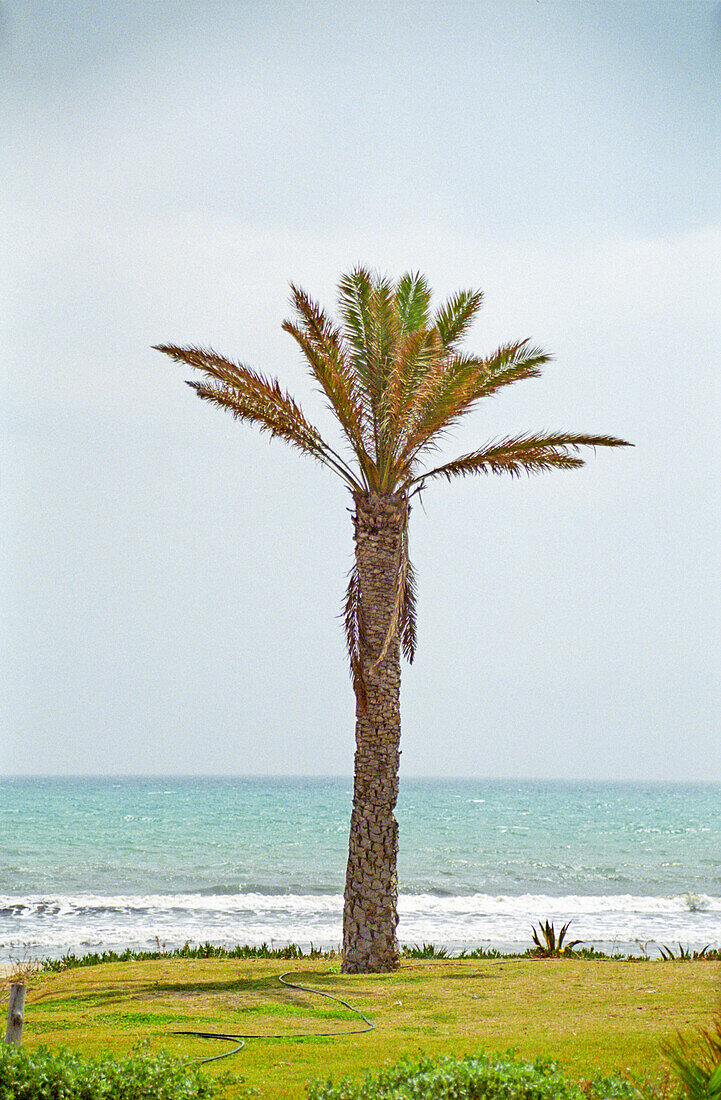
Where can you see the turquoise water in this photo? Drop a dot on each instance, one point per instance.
(94, 863)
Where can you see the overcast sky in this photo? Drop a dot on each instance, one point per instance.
(171, 580)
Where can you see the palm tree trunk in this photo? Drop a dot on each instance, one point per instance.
(371, 892)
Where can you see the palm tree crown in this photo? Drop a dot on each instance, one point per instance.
(395, 378)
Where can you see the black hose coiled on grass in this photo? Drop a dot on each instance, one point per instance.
(240, 1039)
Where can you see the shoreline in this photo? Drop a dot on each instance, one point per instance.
(118, 951)
(51, 925)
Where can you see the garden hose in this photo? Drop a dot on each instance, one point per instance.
(239, 1039)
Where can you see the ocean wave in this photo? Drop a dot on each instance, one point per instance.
(244, 889)
(53, 924)
(235, 899)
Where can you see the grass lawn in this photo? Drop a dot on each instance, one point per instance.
(592, 1016)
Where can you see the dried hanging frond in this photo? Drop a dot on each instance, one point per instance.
(407, 622)
(397, 621)
(353, 620)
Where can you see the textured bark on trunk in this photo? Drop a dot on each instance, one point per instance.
(371, 892)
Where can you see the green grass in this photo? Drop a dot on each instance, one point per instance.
(592, 1016)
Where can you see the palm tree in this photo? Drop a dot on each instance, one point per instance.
(393, 374)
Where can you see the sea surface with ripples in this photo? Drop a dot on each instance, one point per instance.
(92, 864)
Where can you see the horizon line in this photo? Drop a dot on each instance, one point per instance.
(349, 777)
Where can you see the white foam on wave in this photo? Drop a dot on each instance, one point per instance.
(54, 923)
(489, 904)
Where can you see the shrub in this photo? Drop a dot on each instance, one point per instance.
(474, 1077)
(45, 1075)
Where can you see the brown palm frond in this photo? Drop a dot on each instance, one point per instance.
(423, 390)
(246, 385)
(415, 358)
(320, 328)
(454, 391)
(214, 365)
(250, 396)
(348, 411)
(352, 616)
(415, 355)
(521, 454)
(327, 338)
(268, 415)
(432, 405)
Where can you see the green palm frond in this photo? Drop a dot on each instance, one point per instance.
(355, 299)
(455, 317)
(528, 454)
(386, 331)
(416, 357)
(509, 363)
(413, 300)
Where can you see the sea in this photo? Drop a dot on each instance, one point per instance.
(88, 865)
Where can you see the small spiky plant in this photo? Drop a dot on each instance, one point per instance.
(393, 373)
(548, 945)
(696, 1064)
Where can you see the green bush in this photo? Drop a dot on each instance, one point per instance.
(43, 1075)
(477, 1077)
